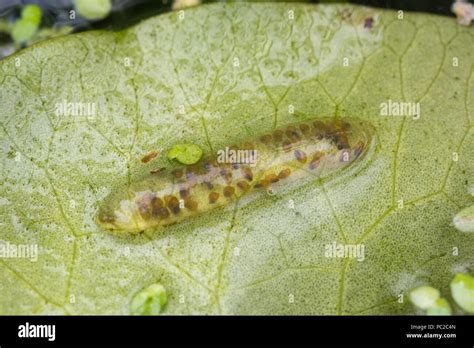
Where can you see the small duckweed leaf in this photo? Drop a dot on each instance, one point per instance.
(424, 297)
(32, 13)
(440, 307)
(94, 9)
(185, 153)
(149, 301)
(23, 30)
(464, 220)
(462, 290)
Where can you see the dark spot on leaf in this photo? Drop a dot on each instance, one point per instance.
(368, 23)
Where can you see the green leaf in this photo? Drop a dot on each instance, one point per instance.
(424, 297)
(440, 307)
(221, 74)
(464, 220)
(93, 9)
(149, 301)
(23, 30)
(185, 153)
(32, 13)
(462, 290)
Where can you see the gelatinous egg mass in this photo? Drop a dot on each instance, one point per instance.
(310, 149)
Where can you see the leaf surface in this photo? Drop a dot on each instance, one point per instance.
(223, 73)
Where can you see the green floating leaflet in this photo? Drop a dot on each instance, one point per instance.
(462, 290)
(424, 296)
(94, 9)
(25, 28)
(32, 13)
(149, 301)
(185, 153)
(440, 307)
(464, 220)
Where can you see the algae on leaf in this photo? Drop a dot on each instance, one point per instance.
(221, 73)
